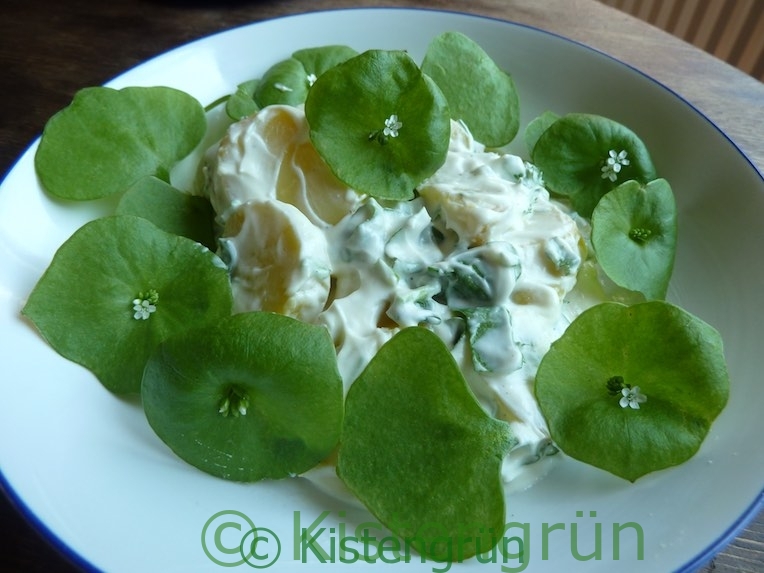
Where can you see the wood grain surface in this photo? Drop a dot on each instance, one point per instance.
(51, 48)
(732, 30)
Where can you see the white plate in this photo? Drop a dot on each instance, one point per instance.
(88, 468)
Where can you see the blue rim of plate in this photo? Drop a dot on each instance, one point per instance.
(756, 505)
(53, 540)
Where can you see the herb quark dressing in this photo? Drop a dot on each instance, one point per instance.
(484, 257)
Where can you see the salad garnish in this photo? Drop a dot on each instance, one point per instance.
(254, 396)
(634, 233)
(392, 125)
(574, 148)
(108, 139)
(632, 397)
(415, 443)
(241, 103)
(289, 81)
(469, 78)
(614, 163)
(170, 209)
(85, 303)
(347, 109)
(668, 373)
(145, 305)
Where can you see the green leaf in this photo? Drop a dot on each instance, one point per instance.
(106, 140)
(492, 342)
(255, 396)
(84, 303)
(289, 81)
(480, 276)
(318, 60)
(674, 358)
(536, 127)
(284, 83)
(242, 104)
(349, 109)
(170, 209)
(420, 453)
(634, 234)
(572, 152)
(478, 91)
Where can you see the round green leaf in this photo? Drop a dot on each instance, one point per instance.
(284, 83)
(318, 60)
(420, 453)
(536, 127)
(379, 123)
(479, 93)
(107, 139)
(170, 209)
(84, 304)
(663, 353)
(255, 396)
(573, 151)
(634, 234)
(289, 81)
(242, 104)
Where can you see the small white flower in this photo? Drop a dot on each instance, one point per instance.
(613, 164)
(392, 125)
(632, 398)
(145, 304)
(312, 79)
(143, 309)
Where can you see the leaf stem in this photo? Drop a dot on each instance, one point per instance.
(221, 100)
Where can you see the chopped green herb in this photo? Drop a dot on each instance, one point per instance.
(491, 340)
(480, 276)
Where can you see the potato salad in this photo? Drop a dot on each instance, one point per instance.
(482, 256)
(364, 288)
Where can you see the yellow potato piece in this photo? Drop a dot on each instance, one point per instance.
(280, 260)
(269, 155)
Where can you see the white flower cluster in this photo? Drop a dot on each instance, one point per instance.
(613, 164)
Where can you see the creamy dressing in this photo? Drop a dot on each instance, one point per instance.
(483, 256)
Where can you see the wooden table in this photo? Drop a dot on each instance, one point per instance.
(51, 48)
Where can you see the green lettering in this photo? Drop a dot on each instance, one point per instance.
(617, 528)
